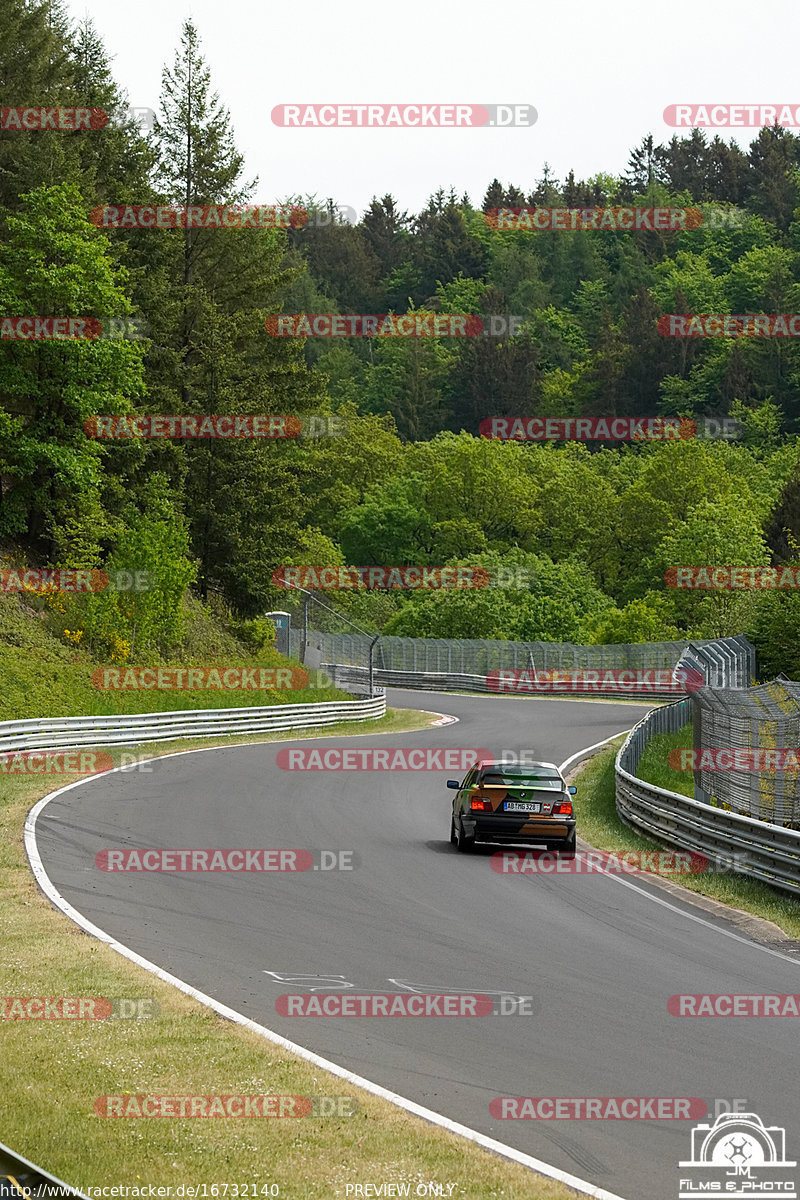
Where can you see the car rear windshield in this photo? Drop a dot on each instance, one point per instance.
(539, 777)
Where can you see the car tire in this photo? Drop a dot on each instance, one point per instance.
(453, 837)
(567, 849)
(463, 843)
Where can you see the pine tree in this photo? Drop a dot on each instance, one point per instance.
(546, 191)
(514, 197)
(443, 247)
(494, 196)
(215, 289)
(35, 70)
(386, 231)
(641, 173)
(198, 161)
(774, 157)
(116, 161)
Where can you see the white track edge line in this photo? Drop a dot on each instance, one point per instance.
(588, 749)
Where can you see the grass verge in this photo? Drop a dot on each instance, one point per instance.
(44, 677)
(654, 765)
(54, 1070)
(599, 825)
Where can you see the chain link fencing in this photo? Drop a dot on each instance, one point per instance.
(761, 720)
(467, 663)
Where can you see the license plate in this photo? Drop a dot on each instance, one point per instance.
(521, 806)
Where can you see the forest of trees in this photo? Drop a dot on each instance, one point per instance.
(589, 529)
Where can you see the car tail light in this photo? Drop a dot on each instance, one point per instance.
(564, 809)
(480, 805)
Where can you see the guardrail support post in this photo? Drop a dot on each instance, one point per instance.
(305, 628)
(372, 646)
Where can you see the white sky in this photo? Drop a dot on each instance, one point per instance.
(599, 75)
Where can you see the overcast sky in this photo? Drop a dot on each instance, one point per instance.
(599, 75)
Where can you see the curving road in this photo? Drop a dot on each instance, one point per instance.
(599, 955)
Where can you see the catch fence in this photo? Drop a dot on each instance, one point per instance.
(760, 720)
(467, 664)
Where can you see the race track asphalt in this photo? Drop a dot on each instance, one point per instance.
(600, 955)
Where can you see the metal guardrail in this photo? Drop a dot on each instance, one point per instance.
(71, 732)
(27, 1180)
(347, 675)
(755, 848)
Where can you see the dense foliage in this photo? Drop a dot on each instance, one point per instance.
(581, 535)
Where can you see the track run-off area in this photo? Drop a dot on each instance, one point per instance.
(598, 954)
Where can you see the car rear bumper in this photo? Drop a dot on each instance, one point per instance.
(490, 828)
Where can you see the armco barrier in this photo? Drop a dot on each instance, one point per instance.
(345, 675)
(25, 1179)
(71, 732)
(756, 848)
